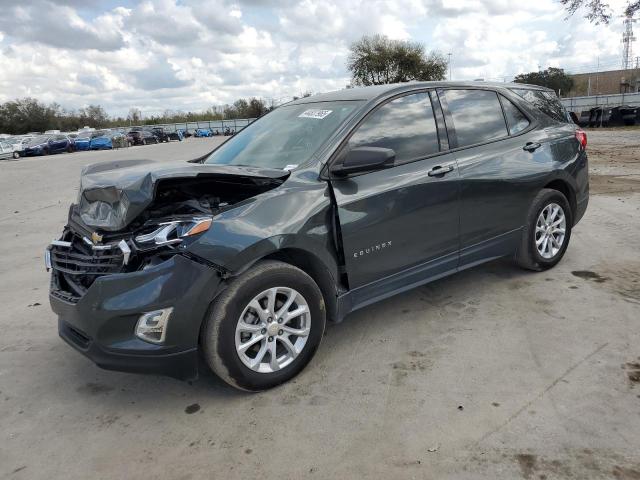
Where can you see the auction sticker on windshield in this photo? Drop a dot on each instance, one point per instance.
(314, 113)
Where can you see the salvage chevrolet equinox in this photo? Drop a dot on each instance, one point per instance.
(323, 206)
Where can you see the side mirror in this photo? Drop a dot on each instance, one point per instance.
(363, 159)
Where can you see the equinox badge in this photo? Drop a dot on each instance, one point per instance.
(372, 249)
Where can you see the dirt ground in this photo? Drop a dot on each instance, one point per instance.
(614, 160)
(493, 373)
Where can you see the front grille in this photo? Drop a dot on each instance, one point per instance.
(76, 266)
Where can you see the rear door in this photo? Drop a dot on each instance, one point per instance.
(500, 162)
(400, 224)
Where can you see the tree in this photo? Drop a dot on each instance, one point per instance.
(94, 116)
(135, 115)
(377, 60)
(598, 11)
(553, 78)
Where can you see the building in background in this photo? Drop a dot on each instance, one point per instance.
(605, 83)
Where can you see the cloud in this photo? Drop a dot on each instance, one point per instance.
(61, 26)
(191, 54)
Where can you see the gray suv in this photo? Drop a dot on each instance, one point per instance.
(325, 205)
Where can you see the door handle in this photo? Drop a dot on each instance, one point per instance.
(531, 146)
(440, 170)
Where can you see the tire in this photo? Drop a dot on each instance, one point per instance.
(144, 141)
(16, 154)
(219, 335)
(529, 256)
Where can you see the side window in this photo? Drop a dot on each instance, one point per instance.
(477, 116)
(405, 125)
(545, 101)
(516, 121)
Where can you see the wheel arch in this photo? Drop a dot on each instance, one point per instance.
(316, 269)
(568, 191)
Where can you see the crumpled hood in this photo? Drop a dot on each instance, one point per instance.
(113, 194)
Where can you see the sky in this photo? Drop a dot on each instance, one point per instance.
(188, 55)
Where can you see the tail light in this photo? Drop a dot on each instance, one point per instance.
(581, 136)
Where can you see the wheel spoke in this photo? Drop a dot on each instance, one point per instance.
(298, 332)
(289, 346)
(271, 300)
(288, 316)
(544, 244)
(249, 327)
(255, 305)
(540, 240)
(273, 362)
(243, 347)
(255, 362)
(287, 305)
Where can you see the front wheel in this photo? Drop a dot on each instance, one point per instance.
(547, 231)
(16, 155)
(265, 327)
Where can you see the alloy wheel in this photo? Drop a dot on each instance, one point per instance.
(551, 228)
(273, 329)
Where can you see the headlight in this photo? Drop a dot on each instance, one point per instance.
(169, 233)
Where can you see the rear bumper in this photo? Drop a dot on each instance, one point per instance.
(101, 324)
(581, 208)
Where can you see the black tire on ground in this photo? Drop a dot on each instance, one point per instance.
(16, 154)
(217, 337)
(45, 151)
(144, 141)
(528, 256)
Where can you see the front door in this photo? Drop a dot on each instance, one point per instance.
(400, 225)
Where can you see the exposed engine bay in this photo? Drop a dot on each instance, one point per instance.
(129, 218)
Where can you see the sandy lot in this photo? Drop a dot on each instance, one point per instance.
(494, 373)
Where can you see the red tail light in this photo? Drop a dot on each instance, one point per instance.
(581, 136)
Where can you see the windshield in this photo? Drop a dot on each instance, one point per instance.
(286, 137)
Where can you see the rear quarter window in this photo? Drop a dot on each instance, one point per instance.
(545, 101)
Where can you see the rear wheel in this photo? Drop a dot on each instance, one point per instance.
(265, 327)
(547, 231)
(16, 154)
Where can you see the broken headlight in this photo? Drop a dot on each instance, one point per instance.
(174, 231)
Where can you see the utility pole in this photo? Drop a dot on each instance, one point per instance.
(449, 55)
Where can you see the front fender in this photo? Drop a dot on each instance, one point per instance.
(296, 215)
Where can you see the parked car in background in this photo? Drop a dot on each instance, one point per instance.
(176, 135)
(203, 132)
(141, 137)
(18, 144)
(6, 151)
(48, 144)
(119, 139)
(83, 141)
(101, 140)
(160, 132)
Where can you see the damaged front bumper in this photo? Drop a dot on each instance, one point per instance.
(101, 322)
